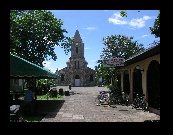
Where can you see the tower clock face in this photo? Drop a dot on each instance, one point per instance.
(77, 44)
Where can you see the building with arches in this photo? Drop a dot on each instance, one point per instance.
(76, 73)
(141, 74)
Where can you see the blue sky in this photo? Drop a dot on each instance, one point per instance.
(93, 25)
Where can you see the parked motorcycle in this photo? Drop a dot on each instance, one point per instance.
(136, 102)
(140, 102)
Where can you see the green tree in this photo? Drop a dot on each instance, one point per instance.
(156, 28)
(45, 82)
(119, 46)
(14, 27)
(35, 33)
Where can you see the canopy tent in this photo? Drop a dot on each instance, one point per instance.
(22, 69)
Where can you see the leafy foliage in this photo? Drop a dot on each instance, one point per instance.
(48, 97)
(156, 28)
(119, 46)
(123, 13)
(114, 88)
(35, 33)
(45, 82)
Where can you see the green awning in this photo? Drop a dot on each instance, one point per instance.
(21, 68)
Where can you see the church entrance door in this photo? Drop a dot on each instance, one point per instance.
(77, 80)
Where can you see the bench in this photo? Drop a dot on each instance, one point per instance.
(14, 113)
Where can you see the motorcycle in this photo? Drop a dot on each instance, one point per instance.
(140, 102)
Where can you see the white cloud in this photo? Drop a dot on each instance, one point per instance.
(146, 17)
(145, 35)
(117, 19)
(89, 28)
(141, 36)
(139, 23)
(86, 48)
(136, 23)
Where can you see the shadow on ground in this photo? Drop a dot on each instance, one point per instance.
(50, 107)
(44, 107)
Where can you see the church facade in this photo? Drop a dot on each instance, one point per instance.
(76, 73)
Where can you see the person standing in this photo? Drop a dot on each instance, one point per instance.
(29, 98)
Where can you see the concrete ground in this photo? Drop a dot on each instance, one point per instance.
(80, 106)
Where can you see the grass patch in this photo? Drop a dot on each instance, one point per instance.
(48, 97)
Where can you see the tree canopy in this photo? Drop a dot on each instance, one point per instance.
(156, 28)
(35, 33)
(119, 46)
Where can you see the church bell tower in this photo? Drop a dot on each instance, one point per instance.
(77, 53)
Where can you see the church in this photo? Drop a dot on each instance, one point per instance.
(76, 73)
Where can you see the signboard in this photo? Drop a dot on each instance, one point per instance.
(113, 62)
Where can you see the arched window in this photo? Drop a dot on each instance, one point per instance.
(76, 49)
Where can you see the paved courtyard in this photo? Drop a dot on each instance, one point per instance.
(80, 106)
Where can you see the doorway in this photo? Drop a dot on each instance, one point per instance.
(77, 80)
